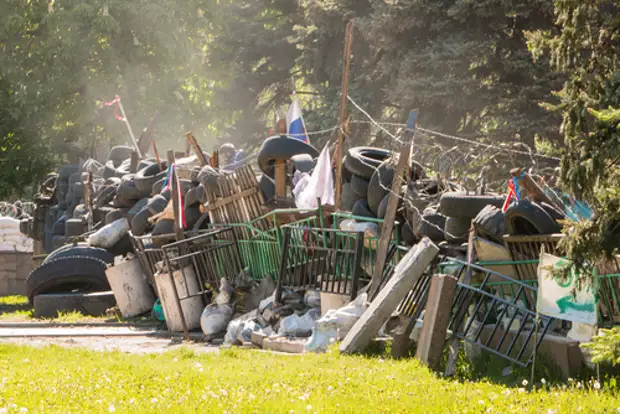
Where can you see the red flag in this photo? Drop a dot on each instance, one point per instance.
(117, 101)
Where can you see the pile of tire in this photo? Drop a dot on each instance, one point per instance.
(368, 173)
(299, 155)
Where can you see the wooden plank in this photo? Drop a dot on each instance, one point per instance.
(343, 110)
(196, 147)
(455, 343)
(280, 178)
(133, 165)
(390, 215)
(176, 202)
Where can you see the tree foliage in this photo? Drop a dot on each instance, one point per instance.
(587, 50)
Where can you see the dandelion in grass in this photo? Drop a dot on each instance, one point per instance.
(524, 383)
(597, 385)
(23, 410)
(308, 407)
(111, 408)
(153, 400)
(521, 390)
(543, 381)
(481, 402)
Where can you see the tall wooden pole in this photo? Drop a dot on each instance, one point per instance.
(343, 109)
(390, 215)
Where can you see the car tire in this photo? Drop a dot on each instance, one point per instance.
(140, 223)
(282, 148)
(431, 225)
(119, 153)
(66, 274)
(363, 161)
(157, 204)
(267, 187)
(529, 218)
(122, 247)
(192, 215)
(348, 198)
(454, 204)
(456, 230)
(140, 204)
(359, 185)
(489, 224)
(79, 250)
(75, 227)
(119, 213)
(380, 183)
(146, 177)
(304, 163)
(361, 209)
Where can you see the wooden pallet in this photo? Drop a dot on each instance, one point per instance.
(240, 200)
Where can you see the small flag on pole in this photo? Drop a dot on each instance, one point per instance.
(117, 101)
(295, 121)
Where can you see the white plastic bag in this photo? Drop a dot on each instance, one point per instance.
(319, 185)
(312, 298)
(336, 324)
(295, 325)
(215, 318)
(110, 234)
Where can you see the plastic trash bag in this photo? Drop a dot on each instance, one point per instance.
(296, 325)
(319, 185)
(110, 234)
(215, 318)
(336, 324)
(312, 298)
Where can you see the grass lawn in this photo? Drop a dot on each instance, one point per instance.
(17, 309)
(54, 379)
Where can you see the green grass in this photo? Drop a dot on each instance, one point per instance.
(17, 309)
(54, 379)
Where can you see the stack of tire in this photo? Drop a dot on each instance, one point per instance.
(299, 155)
(523, 217)
(458, 209)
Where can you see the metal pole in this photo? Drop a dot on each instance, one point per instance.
(133, 138)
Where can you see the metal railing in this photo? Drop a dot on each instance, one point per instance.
(508, 328)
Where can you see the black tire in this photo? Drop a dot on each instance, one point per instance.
(59, 227)
(267, 187)
(456, 230)
(407, 235)
(122, 247)
(191, 198)
(128, 190)
(117, 214)
(359, 185)
(140, 223)
(121, 202)
(146, 177)
(80, 250)
(303, 163)
(74, 227)
(192, 215)
(283, 148)
(348, 198)
(528, 218)
(489, 224)
(162, 228)
(431, 225)
(553, 211)
(140, 204)
(100, 213)
(383, 206)
(363, 161)
(57, 242)
(111, 171)
(380, 183)
(119, 153)
(361, 209)
(67, 274)
(201, 194)
(145, 163)
(104, 196)
(462, 205)
(157, 204)
(194, 175)
(157, 187)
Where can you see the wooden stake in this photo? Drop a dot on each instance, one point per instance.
(343, 109)
(87, 181)
(390, 215)
(280, 178)
(194, 144)
(133, 165)
(157, 155)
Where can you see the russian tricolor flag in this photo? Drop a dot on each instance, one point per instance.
(295, 121)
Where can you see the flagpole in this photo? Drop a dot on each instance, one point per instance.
(133, 137)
